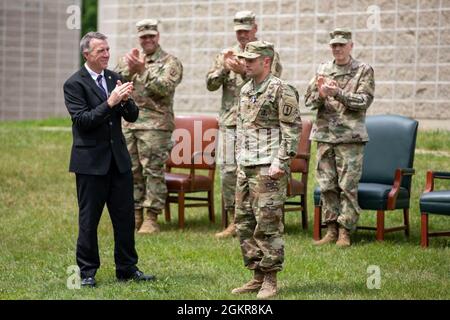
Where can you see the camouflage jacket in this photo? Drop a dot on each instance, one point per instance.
(231, 83)
(341, 119)
(268, 123)
(154, 90)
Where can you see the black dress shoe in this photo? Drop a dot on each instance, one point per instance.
(88, 282)
(137, 276)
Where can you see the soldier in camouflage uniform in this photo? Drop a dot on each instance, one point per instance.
(268, 127)
(228, 72)
(155, 75)
(341, 92)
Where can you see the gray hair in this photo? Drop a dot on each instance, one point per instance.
(86, 40)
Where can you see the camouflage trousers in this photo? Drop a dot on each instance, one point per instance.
(339, 169)
(149, 151)
(259, 218)
(227, 163)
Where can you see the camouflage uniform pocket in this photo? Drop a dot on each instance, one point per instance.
(265, 108)
(271, 192)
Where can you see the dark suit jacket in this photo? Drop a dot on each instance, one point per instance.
(96, 128)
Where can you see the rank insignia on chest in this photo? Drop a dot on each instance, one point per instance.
(253, 99)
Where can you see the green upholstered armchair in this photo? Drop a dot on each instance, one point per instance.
(385, 184)
(433, 202)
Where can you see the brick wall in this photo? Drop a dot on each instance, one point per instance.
(410, 52)
(37, 54)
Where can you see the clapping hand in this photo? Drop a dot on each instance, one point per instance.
(135, 62)
(320, 83)
(231, 62)
(327, 88)
(120, 93)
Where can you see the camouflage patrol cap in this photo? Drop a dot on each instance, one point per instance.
(257, 49)
(147, 26)
(244, 20)
(341, 35)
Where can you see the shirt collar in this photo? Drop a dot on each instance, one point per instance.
(344, 69)
(263, 85)
(155, 55)
(94, 74)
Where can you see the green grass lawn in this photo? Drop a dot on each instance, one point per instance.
(38, 231)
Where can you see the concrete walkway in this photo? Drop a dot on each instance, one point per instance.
(433, 124)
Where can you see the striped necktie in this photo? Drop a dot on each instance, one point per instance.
(99, 82)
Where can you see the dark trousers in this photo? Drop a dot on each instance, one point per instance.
(116, 190)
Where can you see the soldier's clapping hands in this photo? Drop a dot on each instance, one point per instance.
(135, 62)
(327, 87)
(231, 62)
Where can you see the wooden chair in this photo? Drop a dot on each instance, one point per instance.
(385, 184)
(433, 202)
(194, 149)
(300, 187)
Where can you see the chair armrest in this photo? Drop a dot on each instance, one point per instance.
(441, 175)
(393, 194)
(305, 156)
(431, 175)
(407, 171)
(288, 187)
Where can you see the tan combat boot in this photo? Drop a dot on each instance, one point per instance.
(344, 238)
(138, 218)
(150, 224)
(331, 236)
(230, 231)
(253, 285)
(269, 286)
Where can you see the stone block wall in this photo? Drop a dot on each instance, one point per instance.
(37, 54)
(408, 48)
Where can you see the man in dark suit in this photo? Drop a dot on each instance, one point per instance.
(97, 100)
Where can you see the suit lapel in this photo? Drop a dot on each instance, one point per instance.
(88, 79)
(109, 81)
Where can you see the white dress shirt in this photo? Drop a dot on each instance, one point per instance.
(95, 75)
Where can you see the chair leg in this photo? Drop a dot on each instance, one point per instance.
(167, 209)
(317, 223)
(181, 210)
(380, 225)
(424, 230)
(212, 217)
(224, 215)
(406, 220)
(304, 212)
